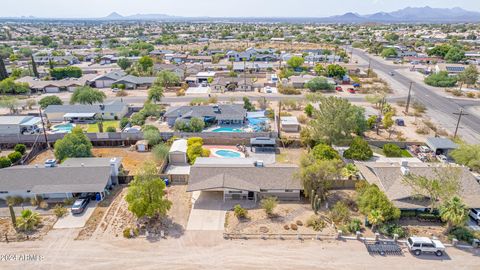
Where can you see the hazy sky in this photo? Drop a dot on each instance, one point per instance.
(215, 8)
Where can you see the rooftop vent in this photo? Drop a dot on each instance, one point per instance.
(404, 168)
(259, 163)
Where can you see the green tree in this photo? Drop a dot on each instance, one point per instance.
(87, 95)
(269, 204)
(50, 100)
(319, 70)
(468, 155)
(160, 152)
(440, 79)
(455, 55)
(439, 50)
(469, 76)
(392, 150)
(375, 217)
(28, 220)
(75, 144)
(309, 109)
(146, 193)
(196, 124)
(319, 84)
(388, 122)
(370, 198)
(145, 62)
(441, 186)
(454, 212)
(152, 135)
(155, 93)
(295, 62)
(167, 79)
(247, 105)
(124, 63)
(65, 72)
(10, 103)
(336, 71)
(389, 52)
(358, 150)
(34, 67)
(324, 152)
(336, 120)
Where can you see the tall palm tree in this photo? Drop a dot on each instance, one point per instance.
(454, 212)
(375, 218)
(28, 220)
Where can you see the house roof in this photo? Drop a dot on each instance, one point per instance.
(136, 80)
(115, 106)
(289, 120)
(243, 178)
(224, 162)
(440, 143)
(262, 141)
(113, 75)
(14, 119)
(60, 179)
(388, 177)
(225, 112)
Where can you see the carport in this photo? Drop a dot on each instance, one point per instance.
(441, 146)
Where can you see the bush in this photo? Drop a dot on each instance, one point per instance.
(286, 227)
(324, 152)
(5, 162)
(111, 129)
(124, 122)
(316, 223)
(319, 84)
(15, 156)
(269, 204)
(60, 211)
(68, 201)
(432, 217)
(340, 213)
(392, 150)
(470, 94)
(461, 234)
(408, 214)
(43, 205)
(358, 150)
(389, 229)
(21, 148)
(288, 90)
(121, 93)
(441, 79)
(309, 109)
(130, 232)
(34, 201)
(355, 225)
(14, 200)
(240, 212)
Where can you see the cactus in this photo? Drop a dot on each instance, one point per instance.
(312, 197)
(315, 204)
(318, 204)
(12, 215)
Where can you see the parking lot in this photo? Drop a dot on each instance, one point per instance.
(75, 221)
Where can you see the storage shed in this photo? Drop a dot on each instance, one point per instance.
(178, 153)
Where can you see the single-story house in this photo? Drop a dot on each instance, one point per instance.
(441, 146)
(289, 124)
(301, 80)
(134, 82)
(252, 66)
(19, 124)
(73, 176)
(204, 76)
(51, 86)
(452, 69)
(199, 58)
(106, 80)
(224, 84)
(239, 180)
(388, 177)
(215, 114)
(114, 110)
(179, 70)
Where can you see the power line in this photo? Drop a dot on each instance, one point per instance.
(460, 114)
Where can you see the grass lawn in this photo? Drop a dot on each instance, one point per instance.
(405, 153)
(93, 128)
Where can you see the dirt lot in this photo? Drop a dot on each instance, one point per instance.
(6, 227)
(290, 155)
(131, 159)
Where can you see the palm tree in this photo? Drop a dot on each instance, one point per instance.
(454, 212)
(28, 220)
(375, 217)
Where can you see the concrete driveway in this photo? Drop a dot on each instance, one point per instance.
(75, 221)
(208, 212)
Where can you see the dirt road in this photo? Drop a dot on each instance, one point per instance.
(207, 250)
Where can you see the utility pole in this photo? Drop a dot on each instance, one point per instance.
(278, 119)
(44, 128)
(408, 98)
(460, 114)
(369, 66)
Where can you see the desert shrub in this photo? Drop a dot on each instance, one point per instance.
(294, 226)
(309, 109)
(470, 94)
(457, 93)
(302, 119)
(422, 130)
(340, 213)
(34, 201)
(288, 90)
(239, 211)
(111, 129)
(269, 204)
(21, 148)
(68, 201)
(130, 232)
(316, 223)
(43, 205)
(461, 234)
(419, 107)
(389, 229)
(60, 211)
(286, 227)
(5, 162)
(121, 93)
(180, 92)
(299, 223)
(355, 225)
(440, 79)
(392, 150)
(15, 156)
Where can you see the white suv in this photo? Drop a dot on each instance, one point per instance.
(418, 245)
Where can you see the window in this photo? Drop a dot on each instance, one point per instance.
(416, 245)
(235, 192)
(288, 190)
(426, 245)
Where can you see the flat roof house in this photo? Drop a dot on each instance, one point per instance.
(220, 114)
(18, 124)
(242, 180)
(388, 177)
(110, 111)
(75, 175)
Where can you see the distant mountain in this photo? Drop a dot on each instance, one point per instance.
(114, 16)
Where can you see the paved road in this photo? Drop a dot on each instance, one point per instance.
(440, 108)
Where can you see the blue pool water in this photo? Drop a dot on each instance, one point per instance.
(63, 128)
(227, 129)
(228, 154)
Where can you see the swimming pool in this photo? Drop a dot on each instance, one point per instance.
(227, 153)
(227, 129)
(63, 128)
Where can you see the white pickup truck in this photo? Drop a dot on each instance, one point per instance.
(419, 245)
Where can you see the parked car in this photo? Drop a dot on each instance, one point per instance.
(419, 245)
(351, 90)
(80, 205)
(424, 149)
(475, 214)
(356, 85)
(442, 158)
(115, 90)
(339, 88)
(391, 73)
(50, 163)
(400, 122)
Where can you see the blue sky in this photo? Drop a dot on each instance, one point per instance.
(215, 8)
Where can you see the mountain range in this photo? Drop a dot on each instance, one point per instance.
(407, 15)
